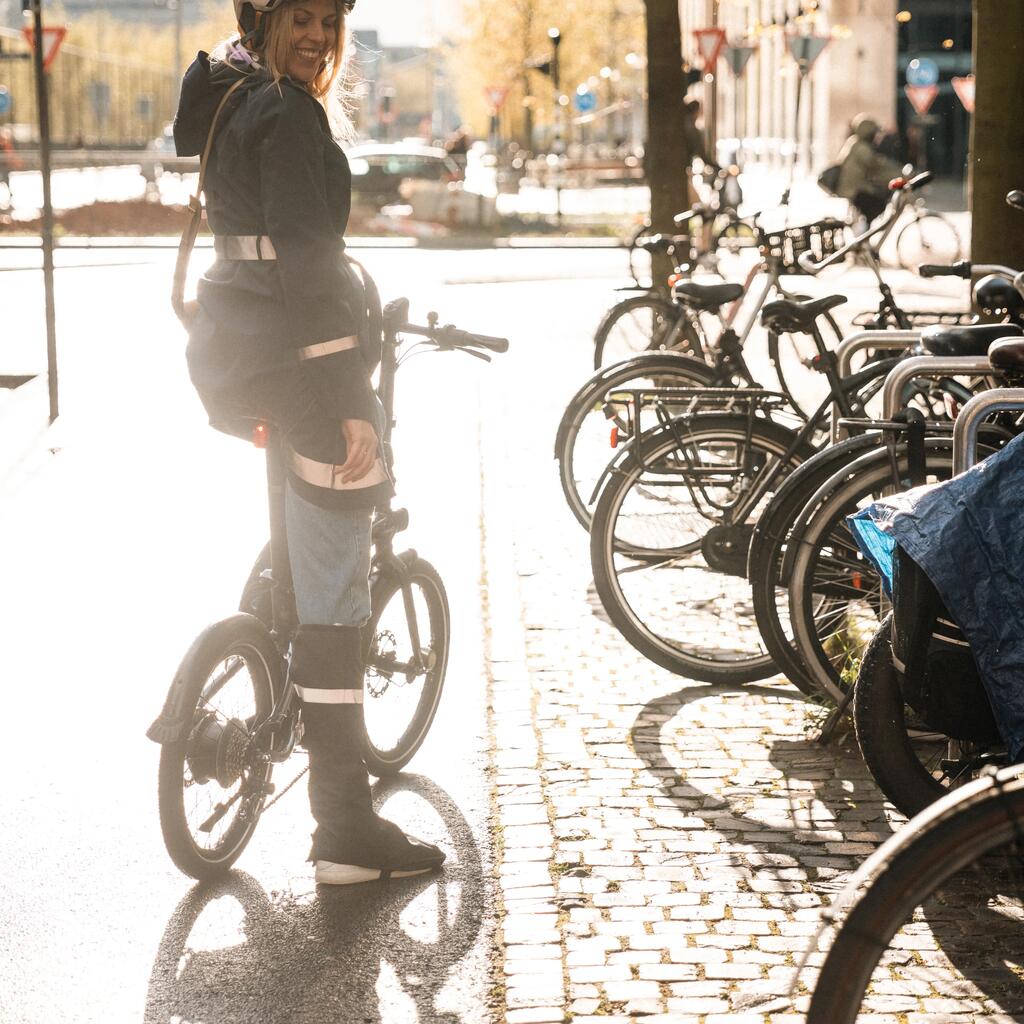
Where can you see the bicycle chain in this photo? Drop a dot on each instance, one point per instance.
(266, 807)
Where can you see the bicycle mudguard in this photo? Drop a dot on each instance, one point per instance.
(175, 719)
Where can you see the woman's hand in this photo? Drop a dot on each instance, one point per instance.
(361, 448)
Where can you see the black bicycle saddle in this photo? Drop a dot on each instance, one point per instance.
(969, 340)
(789, 315)
(705, 296)
(1008, 354)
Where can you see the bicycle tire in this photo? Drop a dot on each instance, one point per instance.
(643, 323)
(584, 429)
(944, 867)
(939, 242)
(827, 561)
(800, 348)
(386, 652)
(216, 746)
(611, 539)
(767, 550)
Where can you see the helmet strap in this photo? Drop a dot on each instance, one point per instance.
(253, 29)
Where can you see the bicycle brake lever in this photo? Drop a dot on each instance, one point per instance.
(473, 352)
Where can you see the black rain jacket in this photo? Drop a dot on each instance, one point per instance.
(275, 170)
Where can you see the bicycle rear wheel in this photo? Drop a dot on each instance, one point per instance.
(930, 238)
(582, 444)
(212, 782)
(669, 572)
(407, 642)
(943, 915)
(644, 323)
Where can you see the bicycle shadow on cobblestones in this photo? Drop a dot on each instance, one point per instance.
(779, 799)
(233, 954)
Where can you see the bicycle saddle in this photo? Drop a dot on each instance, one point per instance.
(663, 243)
(705, 296)
(788, 315)
(969, 340)
(1008, 354)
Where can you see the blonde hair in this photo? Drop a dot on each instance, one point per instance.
(277, 50)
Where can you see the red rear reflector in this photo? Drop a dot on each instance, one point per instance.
(674, 279)
(614, 437)
(260, 435)
(896, 184)
(858, 581)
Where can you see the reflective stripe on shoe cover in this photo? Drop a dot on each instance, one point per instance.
(310, 695)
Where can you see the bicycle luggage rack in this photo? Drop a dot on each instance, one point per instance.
(746, 401)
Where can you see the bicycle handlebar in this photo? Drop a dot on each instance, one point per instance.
(1015, 199)
(960, 269)
(450, 338)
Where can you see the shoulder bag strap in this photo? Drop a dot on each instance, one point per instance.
(195, 204)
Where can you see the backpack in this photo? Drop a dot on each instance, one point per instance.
(828, 180)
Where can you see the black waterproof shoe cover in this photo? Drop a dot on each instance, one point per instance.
(380, 851)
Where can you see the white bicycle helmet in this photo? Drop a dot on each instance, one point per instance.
(249, 14)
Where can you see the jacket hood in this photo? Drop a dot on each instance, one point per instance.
(865, 127)
(202, 89)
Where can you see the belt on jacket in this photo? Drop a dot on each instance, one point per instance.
(328, 475)
(244, 247)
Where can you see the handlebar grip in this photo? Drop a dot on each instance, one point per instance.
(1015, 199)
(959, 269)
(489, 343)
(919, 181)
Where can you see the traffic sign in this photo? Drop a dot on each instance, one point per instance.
(495, 95)
(52, 39)
(737, 57)
(964, 88)
(805, 50)
(710, 42)
(584, 100)
(921, 97)
(922, 71)
(5, 100)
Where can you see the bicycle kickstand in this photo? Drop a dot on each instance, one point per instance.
(832, 722)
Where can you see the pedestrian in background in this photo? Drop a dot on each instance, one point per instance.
(865, 172)
(280, 335)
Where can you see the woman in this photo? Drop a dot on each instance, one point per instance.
(277, 336)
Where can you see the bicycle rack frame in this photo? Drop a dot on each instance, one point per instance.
(926, 366)
(889, 340)
(972, 415)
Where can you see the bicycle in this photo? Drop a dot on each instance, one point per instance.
(232, 714)
(947, 887)
(928, 237)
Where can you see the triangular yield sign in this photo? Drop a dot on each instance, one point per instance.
(710, 42)
(805, 50)
(52, 38)
(737, 58)
(964, 88)
(921, 97)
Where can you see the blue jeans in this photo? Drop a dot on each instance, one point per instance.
(329, 551)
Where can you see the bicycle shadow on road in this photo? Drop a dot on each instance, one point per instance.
(786, 803)
(363, 953)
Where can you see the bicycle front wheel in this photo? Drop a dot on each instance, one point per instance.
(930, 238)
(643, 323)
(407, 642)
(212, 782)
(944, 914)
(584, 445)
(668, 544)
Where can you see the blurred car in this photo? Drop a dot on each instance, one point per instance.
(379, 169)
(160, 156)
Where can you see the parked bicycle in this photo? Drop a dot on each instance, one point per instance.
(232, 714)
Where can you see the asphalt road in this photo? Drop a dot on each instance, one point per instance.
(131, 528)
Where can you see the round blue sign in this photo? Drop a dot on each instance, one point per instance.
(922, 71)
(5, 100)
(584, 101)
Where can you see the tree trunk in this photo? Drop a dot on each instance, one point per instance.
(665, 154)
(997, 132)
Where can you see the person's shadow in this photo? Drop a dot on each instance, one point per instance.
(348, 954)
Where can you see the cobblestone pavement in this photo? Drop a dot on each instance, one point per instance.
(664, 846)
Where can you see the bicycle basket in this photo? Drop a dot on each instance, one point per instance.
(823, 238)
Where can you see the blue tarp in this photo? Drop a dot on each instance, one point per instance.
(967, 534)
